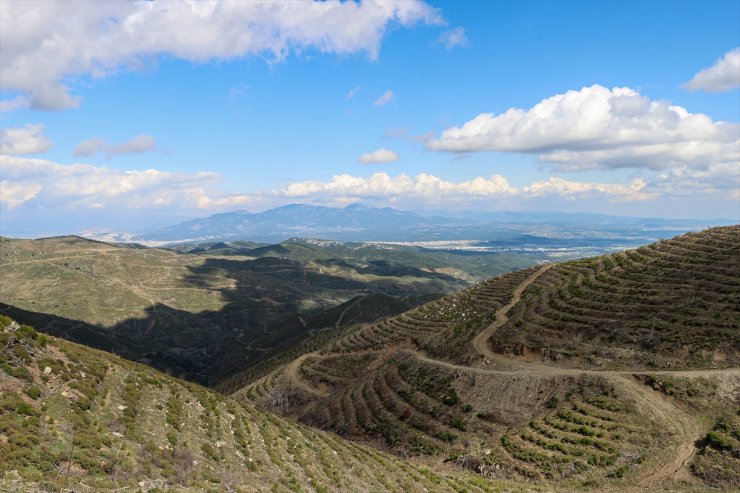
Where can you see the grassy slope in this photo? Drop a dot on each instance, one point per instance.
(94, 422)
(101, 283)
(203, 317)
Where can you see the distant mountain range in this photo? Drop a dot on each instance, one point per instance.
(362, 223)
(352, 222)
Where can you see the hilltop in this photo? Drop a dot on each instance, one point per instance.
(671, 304)
(618, 372)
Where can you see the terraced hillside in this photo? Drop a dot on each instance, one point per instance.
(205, 317)
(672, 304)
(433, 383)
(77, 419)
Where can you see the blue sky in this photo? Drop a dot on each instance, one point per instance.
(159, 116)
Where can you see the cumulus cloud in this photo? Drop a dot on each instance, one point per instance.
(634, 191)
(597, 127)
(453, 38)
(28, 139)
(90, 147)
(381, 155)
(424, 187)
(46, 184)
(717, 179)
(428, 188)
(720, 77)
(719, 182)
(38, 184)
(44, 44)
(14, 194)
(384, 99)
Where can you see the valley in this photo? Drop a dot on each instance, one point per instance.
(220, 309)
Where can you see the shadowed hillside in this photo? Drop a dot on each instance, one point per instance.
(207, 317)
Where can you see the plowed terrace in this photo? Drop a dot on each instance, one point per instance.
(542, 373)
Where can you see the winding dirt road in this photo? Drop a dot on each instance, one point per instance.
(292, 372)
(480, 342)
(683, 427)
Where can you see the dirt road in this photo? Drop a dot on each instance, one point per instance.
(684, 428)
(480, 342)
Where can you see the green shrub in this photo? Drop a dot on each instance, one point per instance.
(33, 392)
(552, 402)
(451, 398)
(211, 452)
(718, 441)
(27, 332)
(25, 409)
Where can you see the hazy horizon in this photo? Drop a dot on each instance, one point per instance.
(140, 225)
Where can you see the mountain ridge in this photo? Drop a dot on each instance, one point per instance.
(358, 222)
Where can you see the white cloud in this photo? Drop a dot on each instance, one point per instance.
(721, 181)
(554, 186)
(37, 185)
(45, 45)
(430, 189)
(28, 139)
(353, 92)
(17, 103)
(384, 99)
(720, 77)
(381, 155)
(717, 179)
(14, 194)
(596, 127)
(453, 38)
(90, 147)
(423, 187)
(47, 184)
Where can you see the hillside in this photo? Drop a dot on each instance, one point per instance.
(206, 315)
(77, 419)
(491, 380)
(377, 259)
(672, 304)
